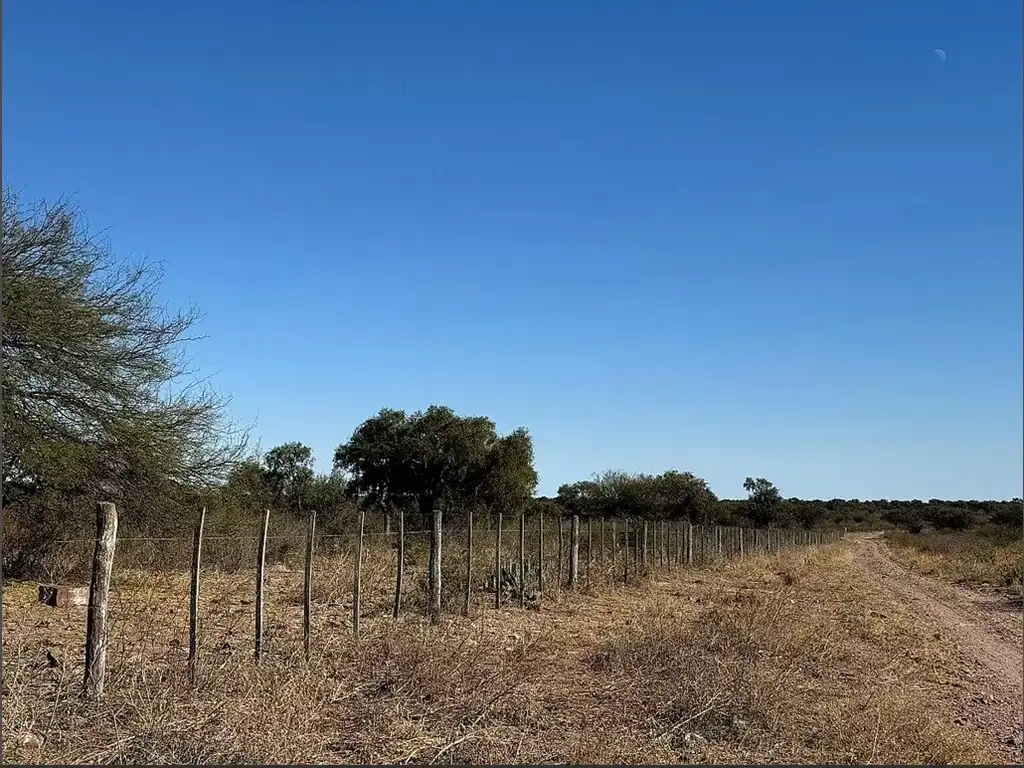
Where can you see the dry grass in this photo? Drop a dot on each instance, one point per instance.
(779, 659)
(973, 558)
(803, 672)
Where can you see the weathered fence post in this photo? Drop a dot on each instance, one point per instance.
(522, 559)
(689, 543)
(654, 542)
(436, 541)
(743, 532)
(663, 537)
(561, 551)
(604, 554)
(590, 547)
(637, 528)
(99, 592)
(307, 584)
(193, 597)
(261, 567)
(469, 560)
(540, 555)
(400, 570)
(625, 550)
(615, 546)
(574, 551)
(644, 546)
(497, 565)
(357, 580)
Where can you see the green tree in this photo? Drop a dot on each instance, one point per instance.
(806, 513)
(326, 493)
(289, 473)
(763, 501)
(671, 495)
(434, 458)
(99, 399)
(585, 497)
(508, 479)
(683, 495)
(247, 488)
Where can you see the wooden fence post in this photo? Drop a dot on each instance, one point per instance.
(99, 593)
(357, 580)
(469, 560)
(615, 546)
(590, 547)
(636, 547)
(625, 550)
(604, 555)
(644, 546)
(574, 551)
(654, 542)
(742, 535)
(400, 570)
(261, 566)
(436, 541)
(540, 556)
(561, 550)
(689, 543)
(497, 565)
(522, 559)
(307, 585)
(193, 597)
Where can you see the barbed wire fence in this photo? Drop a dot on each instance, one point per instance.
(205, 598)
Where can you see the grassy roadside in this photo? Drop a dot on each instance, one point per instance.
(784, 659)
(978, 557)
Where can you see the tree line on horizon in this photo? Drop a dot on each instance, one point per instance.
(386, 475)
(100, 402)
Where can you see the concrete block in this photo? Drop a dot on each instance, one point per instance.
(63, 596)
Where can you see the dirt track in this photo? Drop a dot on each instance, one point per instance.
(985, 633)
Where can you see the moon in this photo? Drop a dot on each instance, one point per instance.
(941, 54)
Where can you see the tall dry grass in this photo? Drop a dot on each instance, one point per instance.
(779, 676)
(991, 556)
(775, 659)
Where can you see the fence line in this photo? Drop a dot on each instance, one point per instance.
(650, 548)
(253, 538)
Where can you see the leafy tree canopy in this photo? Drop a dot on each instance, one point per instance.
(435, 456)
(289, 473)
(671, 495)
(764, 501)
(99, 398)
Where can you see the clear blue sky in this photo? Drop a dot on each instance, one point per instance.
(778, 238)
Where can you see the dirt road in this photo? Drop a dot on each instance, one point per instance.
(985, 673)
